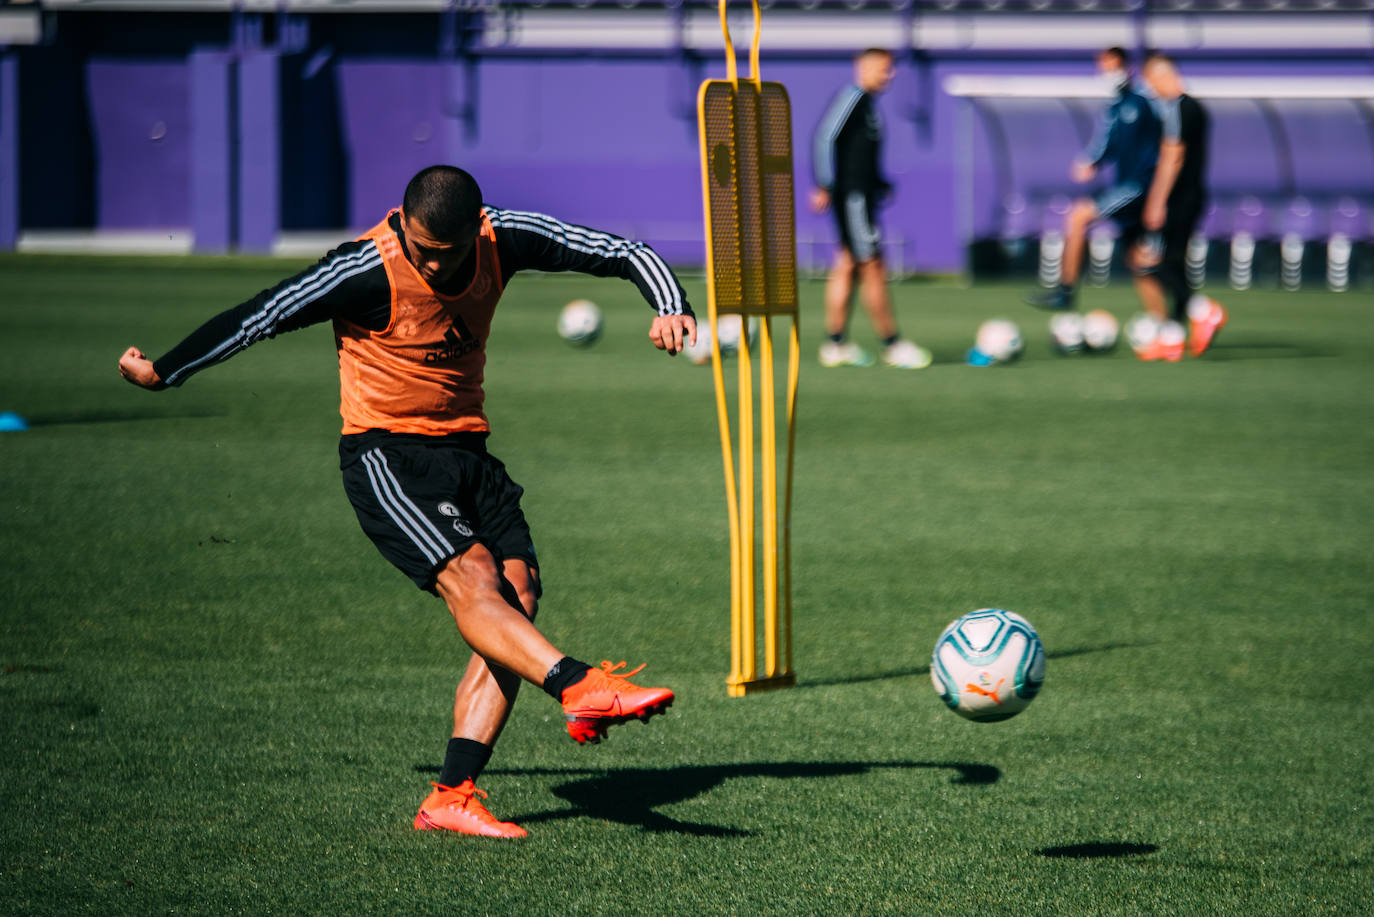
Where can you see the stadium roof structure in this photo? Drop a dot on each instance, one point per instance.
(968, 6)
(1203, 87)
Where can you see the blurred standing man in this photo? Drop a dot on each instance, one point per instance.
(1128, 138)
(411, 304)
(1172, 209)
(849, 180)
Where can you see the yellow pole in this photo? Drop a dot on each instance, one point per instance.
(793, 372)
(770, 500)
(746, 502)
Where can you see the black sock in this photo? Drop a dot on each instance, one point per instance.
(837, 338)
(565, 673)
(464, 760)
(888, 342)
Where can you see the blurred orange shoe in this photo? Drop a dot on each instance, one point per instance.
(1205, 318)
(607, 698)
(458, 808)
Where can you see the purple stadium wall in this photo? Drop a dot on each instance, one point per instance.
(237, 146)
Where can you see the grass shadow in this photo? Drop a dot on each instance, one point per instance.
(1096, 850)
(925, 669)
(1260, 349)
(630, 796)
(124, 415)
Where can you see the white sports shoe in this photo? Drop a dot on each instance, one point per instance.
(844, 354)
(904, 354)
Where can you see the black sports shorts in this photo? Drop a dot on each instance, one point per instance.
(424, 500)
(856, 218)
(1124, 205)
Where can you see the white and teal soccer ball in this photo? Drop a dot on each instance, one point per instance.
(700, 352)
(999, 340)
(988, 665)
(729, 328)
(1100, 331)
(1066, 332)
(580, 322)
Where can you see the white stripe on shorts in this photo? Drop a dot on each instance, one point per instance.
(863, 235)
(1117, 197)
(404, 513)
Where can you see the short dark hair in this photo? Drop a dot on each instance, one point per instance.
(445, 199)
(1158, 56)
(1117, 52)
(866, 52)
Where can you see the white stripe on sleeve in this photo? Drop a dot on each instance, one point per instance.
(285, 303)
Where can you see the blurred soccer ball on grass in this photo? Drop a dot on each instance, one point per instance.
(1100, 331)
(999, 340)
(728, 329)
(1066, 333)
(580, 322)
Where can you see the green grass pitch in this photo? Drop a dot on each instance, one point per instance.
(215, 697)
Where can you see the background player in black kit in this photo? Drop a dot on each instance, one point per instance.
(1173, 207)
(847, 161)
(411, 303)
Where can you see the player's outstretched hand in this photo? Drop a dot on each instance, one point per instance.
(820, 200)
(671, 332)
(138, 369)
(1083, 172)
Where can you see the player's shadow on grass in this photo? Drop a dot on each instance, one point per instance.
(925, 669)
(631, 796)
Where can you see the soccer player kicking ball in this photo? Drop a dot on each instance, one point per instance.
(411, 303)
(1127, 138)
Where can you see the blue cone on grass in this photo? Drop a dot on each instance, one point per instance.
(11, 422)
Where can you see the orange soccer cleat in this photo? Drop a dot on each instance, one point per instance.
(607, 698)
(458, 808)
(1205, 318)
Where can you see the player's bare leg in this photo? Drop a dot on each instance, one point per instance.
(1168, 339)
(471, 587)
(504, 637)
(1075, 240)
(839, 289)
(877, 299)
(483, 700)
(838, 350)
(494, 609)
(1147, 285)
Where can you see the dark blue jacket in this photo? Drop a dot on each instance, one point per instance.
(1128, 137)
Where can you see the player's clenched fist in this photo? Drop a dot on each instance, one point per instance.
(138, 369)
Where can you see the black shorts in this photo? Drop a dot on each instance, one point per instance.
(856, 217)
(424, 500)
(1124, 205)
